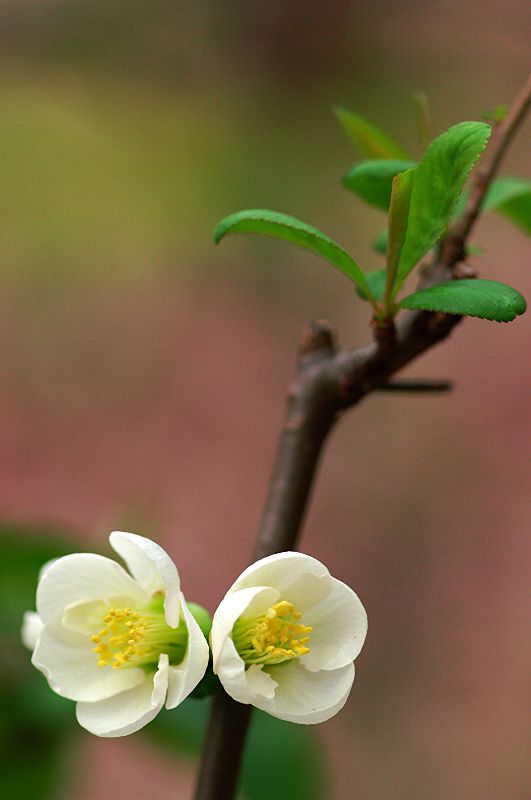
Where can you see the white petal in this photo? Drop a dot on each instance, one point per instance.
(307, 697)
(259, 682)
(227, 663)
(232, 674)
(153, 569)
(31, 629)
(67, 660)
(129, 711)
(339, 624)
(83, 617)
(46, 566)
(307, 590)
(184, 677)
(81, 577)
(246, 602)
(280, 570)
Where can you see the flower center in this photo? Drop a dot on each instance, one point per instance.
(137, 637)
(276, 636)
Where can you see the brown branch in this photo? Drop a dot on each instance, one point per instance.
(326, 384)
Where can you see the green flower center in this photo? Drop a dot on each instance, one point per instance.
(275, 637)
(135, 637)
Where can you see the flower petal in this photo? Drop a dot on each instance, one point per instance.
(129, 711)
(307, 590)
(243, 685)
(234, 677)
(339, 624)
(307, 697)
(67, 660)
(31, 629)
(260, 682)
(80, 577)
(184, 677)
(280, 570)
(152, 567)
(246, 602)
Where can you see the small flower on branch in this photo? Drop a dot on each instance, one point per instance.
(285, 637)
(121, 645)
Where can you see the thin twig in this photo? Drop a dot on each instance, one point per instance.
(326, 384)
(500, 141)
(417, 386)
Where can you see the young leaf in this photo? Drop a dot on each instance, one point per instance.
(376, 280)
(282, 226)
(372, 142)
(474, 297)
(379, 245)
(424, 126)
(397, 226)
(512, 198)
(372, 180)
(439, 180)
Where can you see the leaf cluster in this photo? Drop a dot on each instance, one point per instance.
(421, 198)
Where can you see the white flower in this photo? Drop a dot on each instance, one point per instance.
(121, 646)
(285, 636)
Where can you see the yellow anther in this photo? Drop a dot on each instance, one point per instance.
(272, 638)
(123, 642)
(283, 609)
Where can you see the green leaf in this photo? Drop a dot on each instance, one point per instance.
(512, 198)
(439, 180)
(23, 551)
(272, 748)
(376, 280)
(29, 711)
(474, 297)
(282, 226)
(274, 752)
(403, 184)
(379, 245)
(372, 142)
(423, 118)
(372, 180)
(496, 115)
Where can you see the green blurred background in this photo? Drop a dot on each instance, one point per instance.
(143, 374)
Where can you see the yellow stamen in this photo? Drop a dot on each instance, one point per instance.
(136, 638)
(272, 638)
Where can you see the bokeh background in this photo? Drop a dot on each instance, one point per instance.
(143, 375)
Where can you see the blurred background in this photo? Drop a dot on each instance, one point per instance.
(143, 375)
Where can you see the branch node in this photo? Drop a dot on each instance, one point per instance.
(384, 332)
(464, 270)
(317, 337)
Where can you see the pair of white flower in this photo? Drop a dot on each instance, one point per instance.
(122, 645)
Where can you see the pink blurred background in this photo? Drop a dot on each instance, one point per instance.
(143, 371)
